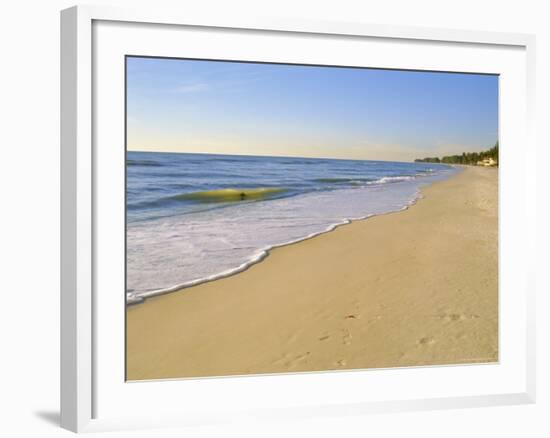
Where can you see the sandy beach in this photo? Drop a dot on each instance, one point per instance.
(416, 287)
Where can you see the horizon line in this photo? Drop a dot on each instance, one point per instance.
(302, 157)
(268, 156)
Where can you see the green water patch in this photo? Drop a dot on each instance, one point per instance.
(231, 195)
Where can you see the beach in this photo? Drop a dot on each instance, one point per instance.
(409, 288)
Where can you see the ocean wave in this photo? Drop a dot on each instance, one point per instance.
(392, 179)
(350, 180)
(231, 194)
(367, 181)
(143, 163)
(249, 194)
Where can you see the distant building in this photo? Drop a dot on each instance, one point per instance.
(487, 162)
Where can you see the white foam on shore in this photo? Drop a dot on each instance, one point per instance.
(264, 252)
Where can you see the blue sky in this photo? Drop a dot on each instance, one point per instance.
(285, 110)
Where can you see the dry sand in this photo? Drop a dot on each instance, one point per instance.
(417, 287)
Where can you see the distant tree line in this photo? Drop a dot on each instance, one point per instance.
(470, 158)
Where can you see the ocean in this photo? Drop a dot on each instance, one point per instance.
(197, 217)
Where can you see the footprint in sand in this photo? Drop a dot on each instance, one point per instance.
(289, 362)
(451, 317)
(346, 338)
(283, 359)
(428, 340)
(291, 338)
(301, 357)
(454, 317)
(298, 359)
(460, 336)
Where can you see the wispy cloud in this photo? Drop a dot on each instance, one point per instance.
(220, 83)
(192, 88)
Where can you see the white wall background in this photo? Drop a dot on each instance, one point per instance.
(29, 218)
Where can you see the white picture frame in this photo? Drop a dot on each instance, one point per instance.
(83, 375)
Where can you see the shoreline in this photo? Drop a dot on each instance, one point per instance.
(258, 259)
(133, 301)
(263, 319)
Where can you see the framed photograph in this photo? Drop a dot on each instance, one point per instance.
(281, 218)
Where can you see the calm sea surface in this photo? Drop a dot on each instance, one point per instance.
(197, 217)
